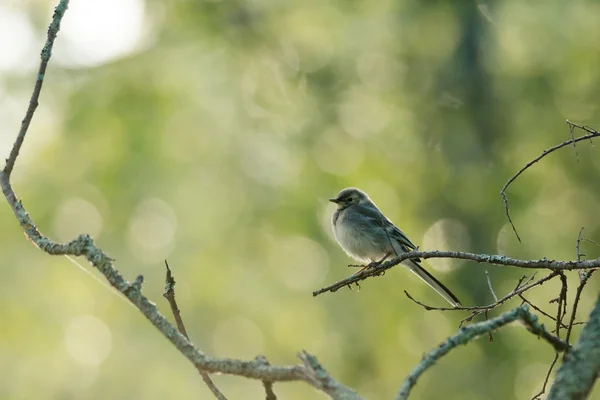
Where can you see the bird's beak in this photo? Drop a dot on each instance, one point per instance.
(336, 201)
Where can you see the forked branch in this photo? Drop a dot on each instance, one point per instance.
(470, 332)
(592, 133)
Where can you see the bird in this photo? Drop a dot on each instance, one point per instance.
(369, 237)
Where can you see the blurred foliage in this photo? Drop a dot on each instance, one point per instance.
(216, 145)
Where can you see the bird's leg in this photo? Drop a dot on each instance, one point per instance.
(371, 264)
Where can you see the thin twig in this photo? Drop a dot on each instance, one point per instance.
(591, 241)
(543, 390)
(468, 333)
(522, 282)
(270, 394)
(591, 134)
(571, 131)
(169, 294)
(489, 281)
(583, 281)
(562, 303)
(536, 308)
(577, 250)
(53, 29)
(479, 309)
(268, 385)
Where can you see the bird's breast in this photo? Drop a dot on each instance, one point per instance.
(356, 242)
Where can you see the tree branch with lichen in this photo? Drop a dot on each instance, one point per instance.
(471, 332)
(309, 371)
(543, 263)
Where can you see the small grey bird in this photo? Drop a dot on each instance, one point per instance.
(370, 237)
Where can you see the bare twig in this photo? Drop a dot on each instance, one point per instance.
(324, 381)
(578, 252)
(571, 131)
(536, 308)
(590, 241)
(476, 310)
(268, 385)
(270, 394)
(53, 29)
(468, 333)
(169, 294)
(543, 263)
(489, 281)
(524, 280)
(561, 303)
(591, 134)
(543, 390)
(584, 276)
(582, 282)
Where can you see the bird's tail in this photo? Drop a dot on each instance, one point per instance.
(436, 285)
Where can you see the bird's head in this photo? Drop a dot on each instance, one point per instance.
(350, 196)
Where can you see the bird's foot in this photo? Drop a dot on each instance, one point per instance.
(363, 267)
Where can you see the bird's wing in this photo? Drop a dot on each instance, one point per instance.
(375, 217)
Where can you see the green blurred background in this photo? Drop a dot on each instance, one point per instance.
(211, 133)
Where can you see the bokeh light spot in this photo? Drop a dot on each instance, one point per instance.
(268, 161)
(238, 337)
(337, 153)
(75, 216)
(308, 45)
(88, 340)
(152, 230)
(362, 114)
(299, 262)
(446, 234)
(16, 39)
(96, 32)
(378, 71)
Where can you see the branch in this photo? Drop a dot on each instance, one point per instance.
(310, 371)
(53, 29)
(591, 134)
(543, 263)
(169, 294)
(468, 333)
(489, 281)
(536, 308)
(583, 280)
(581, 365)
(268, 385)
(543, 389)
(479, 309)
(561, 308)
